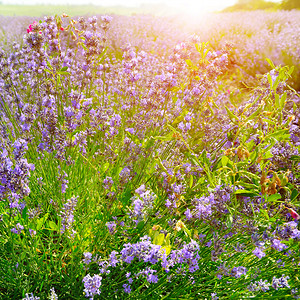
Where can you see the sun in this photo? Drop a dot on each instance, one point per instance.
(200, 7)
(196, 8)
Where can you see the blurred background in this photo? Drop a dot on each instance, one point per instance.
(129, 7)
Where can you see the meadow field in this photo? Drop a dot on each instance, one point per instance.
(81, 10)
(150, 157)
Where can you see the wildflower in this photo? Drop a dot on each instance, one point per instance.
(67, 214)
(30, 27)
(294, 215)
(92, 285)
(111, 227)
(276, 244)
(237, 272)
(53, 295)
(214, 296)
(125, 174)
(87, 257)
(130, 130)
(141, 190)
(141, 204)
(130, 280)
(127, 288)
(281, 282)
(108, 183)
(30, 297)
(188, 214)
(106, 18)
(258, 252)
(259, 286)
(113, 258)
(32, 232)
(151, 278)
(17, 229)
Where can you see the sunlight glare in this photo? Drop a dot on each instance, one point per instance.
(196, 8)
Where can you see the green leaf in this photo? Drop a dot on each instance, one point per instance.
(246, 193)
(273, 198)
(167, 249)
(159, 239)
(24, 213)
(229, 221)
(270, 81)
(294, 195)
(277, 102)
(167, 137)
(267, 154)
(249, 174)
(186, 231)
(191, 181)
(40, 222)
(270, 63)
(105, 167)
(224, 160)
(63, 73)
(256, 113)
(49, 71)
(231, 115)
(52, 226)
(283, 100)
(189, 63)
(275, 85)
(279, 135)
(291, 70)
(140, 226)
(64, 69)
(265, 213)
(249, 186)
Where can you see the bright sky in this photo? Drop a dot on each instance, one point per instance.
(205, 5)
(189, 6)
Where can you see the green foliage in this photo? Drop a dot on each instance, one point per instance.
(225, 168)
(290, 4)
(244, 5)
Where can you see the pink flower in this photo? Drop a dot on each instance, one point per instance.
(294, 214)
(29, 29)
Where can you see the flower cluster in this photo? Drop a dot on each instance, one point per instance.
(142, 204)
(14, 173)
(67, 215)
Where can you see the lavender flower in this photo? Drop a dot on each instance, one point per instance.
(87, 258)
(112, 226)
(92, 285)
(237, 272)
(113, 260)
(53, 295)
(214, 296)
(67, 214)
(125, 175)
(108, 183)
(278, 245)
(259, 286)
(18, 229)
(30, 297)
(281, 282)
(141, 204)
(127, 288)
(258, 252)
